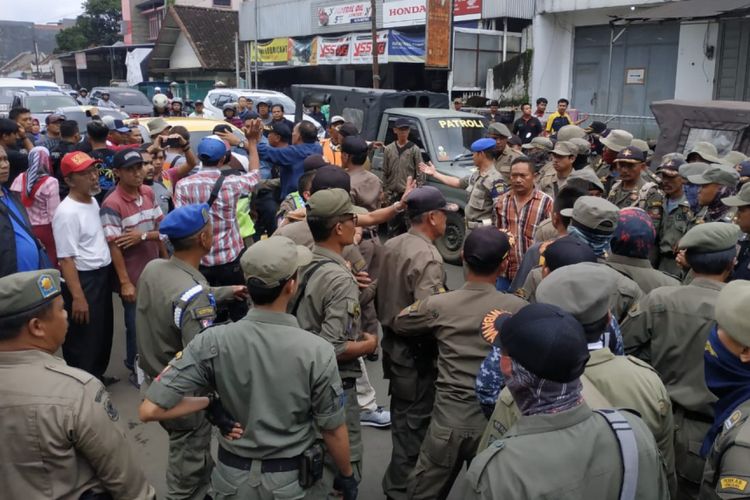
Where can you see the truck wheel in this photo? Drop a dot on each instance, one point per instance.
(450, 244)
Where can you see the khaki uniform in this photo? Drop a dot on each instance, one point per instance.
(703, 216)
(278, 381)
(397, 166)
(367, 192)
(604, 173)
(412, 270)
(60, 432)
(668, 329)
(645, 195)
(503, 162)
(483, 190)
(544, 170)
(550, 184)
(727, 472)
(673, 227)
(545, 231)
(457, 420)
(640, 271)
(526, 463)
(167, 289)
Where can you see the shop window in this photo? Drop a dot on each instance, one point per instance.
(474, 54)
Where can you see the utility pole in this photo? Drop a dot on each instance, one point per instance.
(375, 66)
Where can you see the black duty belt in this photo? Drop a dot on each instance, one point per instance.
(348, 383)
(369, 234)
(270, 465)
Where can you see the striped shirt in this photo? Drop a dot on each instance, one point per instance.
(520, 223)
(121, 213)
(227, 243)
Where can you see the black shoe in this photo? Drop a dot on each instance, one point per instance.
(107, 381)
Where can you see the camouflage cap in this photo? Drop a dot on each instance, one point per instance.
(731, 311)
(710, 237)
(22, 292)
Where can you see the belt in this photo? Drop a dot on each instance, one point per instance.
(348, 383)
(271, 465)
(369, 234)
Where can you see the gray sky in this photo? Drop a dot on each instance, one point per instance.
(39, 11)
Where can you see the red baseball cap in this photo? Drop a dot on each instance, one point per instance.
(77, 161)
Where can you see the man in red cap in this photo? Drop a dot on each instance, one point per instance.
(85, 263)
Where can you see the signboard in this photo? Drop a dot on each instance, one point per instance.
(438, 34)
(406, 47)
(467, 10)
(274, 51)
(404, 13)
(334, 50)
(303, 51)
(635, 76)
(80, 60)
(343, 14)
(361, 48)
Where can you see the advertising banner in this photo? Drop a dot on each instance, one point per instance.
(438, 32)
(361, 48)
(342, 14)
(334, 50)
(404, 13)
(467, 10)
(406, 47)
(303, 51)
(271, 52)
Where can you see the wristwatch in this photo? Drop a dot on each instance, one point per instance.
(144, 236)
(399, 206)
(241, 145)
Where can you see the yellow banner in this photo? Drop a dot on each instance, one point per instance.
(273, 51)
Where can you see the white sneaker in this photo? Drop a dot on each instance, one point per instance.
(380, 417)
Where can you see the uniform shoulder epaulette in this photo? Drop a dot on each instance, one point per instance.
(479, 463)
(81, 376)
(641, 363)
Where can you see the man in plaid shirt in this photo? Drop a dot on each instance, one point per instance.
(221, 266)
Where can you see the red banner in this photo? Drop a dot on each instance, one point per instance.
(465, 10)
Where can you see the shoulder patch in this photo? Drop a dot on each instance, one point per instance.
(732, 420)
(203, 312)
(733, 483)
(74, 373)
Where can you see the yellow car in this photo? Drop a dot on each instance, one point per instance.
(198, 127)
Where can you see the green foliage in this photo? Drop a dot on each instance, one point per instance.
(98, 25)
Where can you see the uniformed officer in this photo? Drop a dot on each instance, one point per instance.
(504, 154)
(676, 217)
(412, 270)
(587, 180)
(566, 133)
(484, 186)
(538, 152)
(457, 421)
(691, 190)
(632, 244)
(279, 381)
(563, 157)
(727, 372)
(632, 190)
(59, 430)
(174, 304)
(716, 182)
(614, 142)
(560, 448)
(668, 329)
(328, 301)
(742, 201)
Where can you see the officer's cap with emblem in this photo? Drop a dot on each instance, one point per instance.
(274, 259)
(710, 237)
(594, 213)
(617, 140)
(22, 292)
(567, 251)
(328, 203)
(581, 289)
(731, 311)
(631, 154)
(543, 338)
(565, 148)
(426, 199)
(542, 143)
(671, 165)
(482, 145)
(584, 179)
(485, 247)
(717, 174)
(741, 199)
(185, 221)
(568, 132)
(499, 129)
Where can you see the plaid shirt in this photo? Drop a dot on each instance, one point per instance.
(227, 244)
(520, 223)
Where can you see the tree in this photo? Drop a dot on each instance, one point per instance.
(98, 25)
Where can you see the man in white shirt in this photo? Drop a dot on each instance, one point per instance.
(85, 263)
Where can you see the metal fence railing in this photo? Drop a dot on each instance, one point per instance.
(642, 127)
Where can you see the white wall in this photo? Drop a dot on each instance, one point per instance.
(695, 73)
(183, 55)
(582, 5)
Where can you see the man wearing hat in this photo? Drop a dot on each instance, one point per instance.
(52, 131)
(157, 126)
(264, 111)
(61, 436)
(215, 186)
(199, 111)
(130, 217)
(278, 381)
(676, 218)
(704, 152)
(175, 303)
(727, 373)
(632, 244)
(668, 329)
(563, 157)
(332, 144)
(457, 104)
(412, 269)
(104, 101)
(743, 168)
(527, 127)
(484, 186)
(85, 262)
(401, 159)
(614, 142)
(537, 150)
(83, 96)
(742, 218)
(560, 447)
(587, 180)
(504, 154)
(716, 182)
(452, 319)
(328, 301)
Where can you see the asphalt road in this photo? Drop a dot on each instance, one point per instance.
(149, 441)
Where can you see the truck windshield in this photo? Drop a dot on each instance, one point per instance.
(451, 137)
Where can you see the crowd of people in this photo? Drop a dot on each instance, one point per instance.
(598, 347)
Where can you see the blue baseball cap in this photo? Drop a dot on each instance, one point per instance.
(185, 221)
(483, 145)
(211, 148)
(119, 126)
